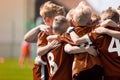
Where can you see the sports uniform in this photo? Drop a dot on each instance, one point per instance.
(40, 69)
(86, 66)
(59, 63)
(109, 48)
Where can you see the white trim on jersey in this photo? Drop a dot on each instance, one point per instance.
(42, 72)
(86, 37)
(39, 61)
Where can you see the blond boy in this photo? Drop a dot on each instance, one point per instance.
(48, 11)
(86, 66)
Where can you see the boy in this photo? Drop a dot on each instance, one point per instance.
(48, 11)
(86, 66)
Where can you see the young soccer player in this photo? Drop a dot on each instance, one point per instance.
(108, 46)
(86, 66)
(48, 11)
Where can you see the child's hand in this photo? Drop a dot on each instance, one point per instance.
(100, 30)
(39, 61)
(53, 44)
(91, 50)
(108, 22)
(45, 28)
(52, 37)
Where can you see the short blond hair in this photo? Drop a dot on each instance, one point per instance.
(82, 15)
(50, 9)
(69, 15)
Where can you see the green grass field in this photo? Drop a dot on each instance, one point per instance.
(10, 70)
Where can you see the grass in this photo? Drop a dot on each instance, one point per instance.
(10, 70)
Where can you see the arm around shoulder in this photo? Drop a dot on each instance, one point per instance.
(31, 36)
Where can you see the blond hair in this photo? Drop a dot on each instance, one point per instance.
(82, 15)
(69, 15)
(50, 10)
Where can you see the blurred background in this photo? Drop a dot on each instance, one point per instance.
(19, 16)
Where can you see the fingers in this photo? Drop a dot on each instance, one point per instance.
(100, 30)
(91, 50)
(54, 44)
(45, 29)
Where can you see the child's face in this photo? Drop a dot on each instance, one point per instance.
(49, 21)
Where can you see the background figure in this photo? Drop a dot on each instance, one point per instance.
(2, 60)
(25, 54)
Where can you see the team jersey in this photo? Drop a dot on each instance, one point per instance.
(84, 61)
(40, 72)
(109, 48)
(40, 69)
(60, 63)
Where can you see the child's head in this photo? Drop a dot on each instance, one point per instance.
(118, 9)
(110, 14)
(95, 18)
(60, 24)
(69, 15)
(82, 16)
(49, 10)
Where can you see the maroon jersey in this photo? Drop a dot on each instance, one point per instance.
(40, 72)
(84, 61)
(109, 48)
(60, 63)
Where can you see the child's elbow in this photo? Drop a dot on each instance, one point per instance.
(76, 42)
(39, 53)
(68, 49)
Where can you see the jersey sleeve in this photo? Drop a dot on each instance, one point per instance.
(42, 41)
(65, 38)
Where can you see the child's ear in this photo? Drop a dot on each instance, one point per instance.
(47, 20)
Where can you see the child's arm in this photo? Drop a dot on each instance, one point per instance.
(109, 22)
(42, 50)
(52, 37)
(75, 49)
(112, 33)
(75, 38)
(31, 36)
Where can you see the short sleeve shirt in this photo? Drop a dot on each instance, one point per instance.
(109, 48)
